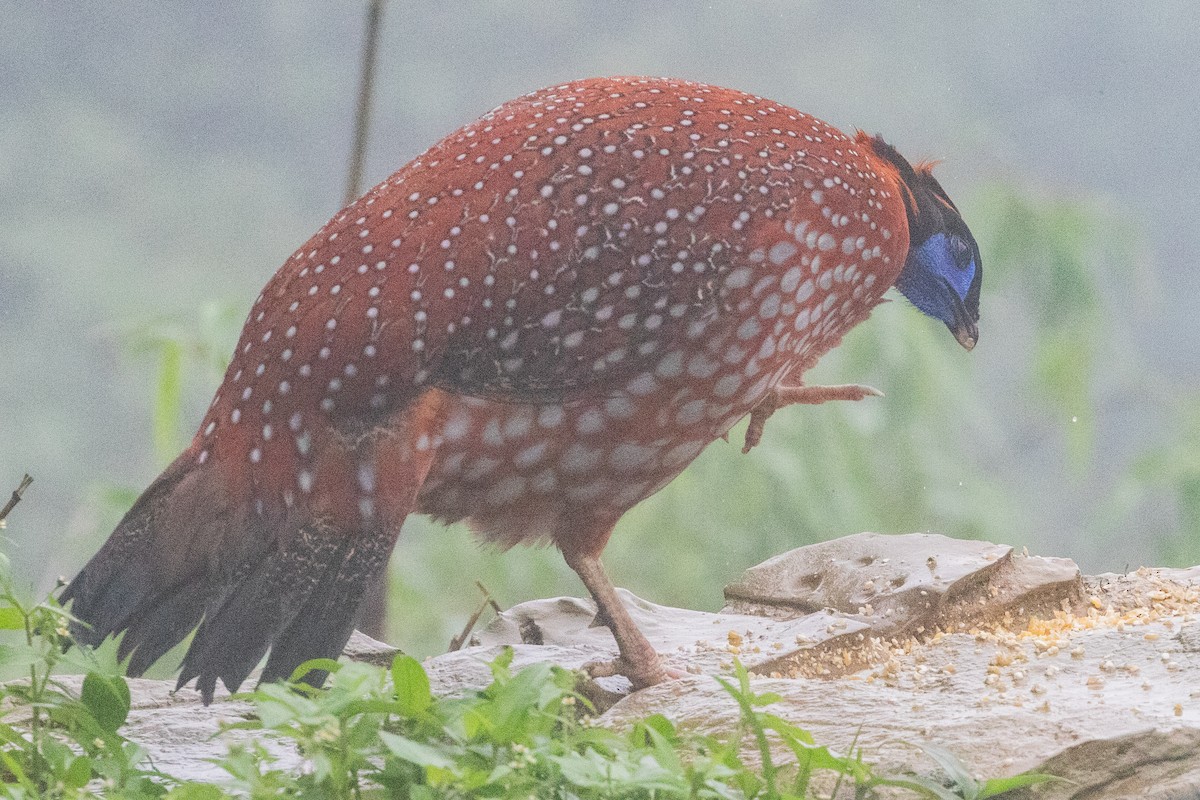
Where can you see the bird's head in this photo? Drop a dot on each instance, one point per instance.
(943, 271)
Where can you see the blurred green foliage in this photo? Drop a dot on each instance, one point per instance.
(1169, 475)
(189, 353)
(1048, 250)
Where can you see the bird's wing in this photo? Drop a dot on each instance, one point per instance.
(571, 255)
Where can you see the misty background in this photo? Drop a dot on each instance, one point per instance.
(160, 160)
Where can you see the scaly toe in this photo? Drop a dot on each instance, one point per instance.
(640, 675)
(602, 669)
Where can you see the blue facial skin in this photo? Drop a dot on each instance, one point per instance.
(937, 278)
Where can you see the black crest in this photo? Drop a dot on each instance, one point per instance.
(930, 210)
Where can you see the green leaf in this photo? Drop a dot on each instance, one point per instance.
(415, 752)
(12, 618)
(168, 398)
(279, 705)
(501, 665)
(766, 699)
(107, 697)
(514, 701)
(787, 730)
(660, 725)
(312, 665)
(997, 786)
(412, 685)
(16, 766)
(17, 656)
(78, 774)
(195, 791)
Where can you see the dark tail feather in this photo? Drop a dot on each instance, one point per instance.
(163, 627)
(118, 582)
(240, 626)
(300, 601)
(156, 574)
(324, 623)
(191, 552)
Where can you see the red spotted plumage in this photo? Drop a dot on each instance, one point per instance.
(532, 326)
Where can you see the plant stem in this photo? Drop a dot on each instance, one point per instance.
(35, 695)
(16, 497)
(362, 114)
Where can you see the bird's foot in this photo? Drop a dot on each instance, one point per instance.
(782, 396)
(647, 672)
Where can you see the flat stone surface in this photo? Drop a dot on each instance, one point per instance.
(1153, 764)
(179, 732)
(1011, 662)
(369, 651)
(694, 641)
(907, 584)
(1003, 703)
(867, 570)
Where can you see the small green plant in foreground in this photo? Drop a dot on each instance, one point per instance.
(526, 735)
(382, 733)
(529, 734)
(55, 742)
(377, 732)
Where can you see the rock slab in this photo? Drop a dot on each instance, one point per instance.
(887, 643)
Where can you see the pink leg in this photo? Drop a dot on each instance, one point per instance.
(782, 396)
(638, 661)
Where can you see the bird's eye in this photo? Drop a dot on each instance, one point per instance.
(961, 251)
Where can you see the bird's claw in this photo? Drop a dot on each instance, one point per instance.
(782, 396)
(640, 675)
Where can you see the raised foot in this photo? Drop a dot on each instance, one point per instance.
(782, 396)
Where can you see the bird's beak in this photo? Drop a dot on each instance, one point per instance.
(967, 333)
(965, 329)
